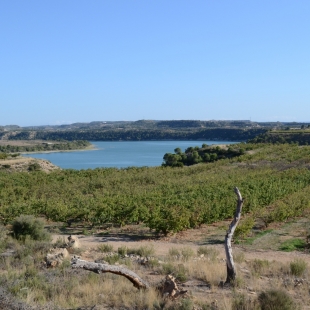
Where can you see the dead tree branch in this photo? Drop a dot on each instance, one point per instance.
(103, 268)
(231, 270)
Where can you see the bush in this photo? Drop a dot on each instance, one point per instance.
(259, 266)
(178, 271)
(122, 250)
(244, 228)
(275, 300)
(31, 227)
(210, 252)
(187, 253)
(112, 259)
(145, 251)
(242, 302)
(105, 248)
(34, 167)
(298, 267)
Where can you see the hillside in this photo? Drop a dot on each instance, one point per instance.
(159, 221)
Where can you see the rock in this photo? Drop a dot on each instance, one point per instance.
(73, 242)
(56, 257)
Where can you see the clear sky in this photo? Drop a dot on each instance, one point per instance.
(65, 61)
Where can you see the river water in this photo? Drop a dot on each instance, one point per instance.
(119, 154)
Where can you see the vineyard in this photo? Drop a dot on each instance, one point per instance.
(274, 179)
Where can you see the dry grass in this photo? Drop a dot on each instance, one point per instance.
(24, 276)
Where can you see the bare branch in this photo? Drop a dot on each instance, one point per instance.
(103, 268)
(231, 270)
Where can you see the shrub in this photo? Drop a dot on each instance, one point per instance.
(242, 302)
(298, 267)
(292, 245)
(34, 167)
(174, 252)
(105, 248)
(275, 300)
(259, 266)
(145, 251)
(112, 259)
(244, 228)
(31, 227)
(122, 250)
(187, 253)
(209, 252)
(178, 271)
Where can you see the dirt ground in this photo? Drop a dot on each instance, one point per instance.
(265, 247)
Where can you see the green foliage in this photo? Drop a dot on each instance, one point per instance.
(244, 228)
(302, 137)
(157, 132)
(274, 179)
(298, 267)
(3, 155)
(196, 155)
(275, 300)
(43, 147)
(292, 245)
(34, 167)
(28, 226)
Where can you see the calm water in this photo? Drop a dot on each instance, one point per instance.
(119, 154)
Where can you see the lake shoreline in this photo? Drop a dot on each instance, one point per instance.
(89, 148)
(118, 154)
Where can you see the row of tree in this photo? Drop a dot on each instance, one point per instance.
(163, 198)
(225, 134)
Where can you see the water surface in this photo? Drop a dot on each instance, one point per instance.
(119, 154)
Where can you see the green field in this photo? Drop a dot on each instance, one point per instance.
(273, 179)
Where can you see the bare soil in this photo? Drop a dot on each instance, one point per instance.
(21, 164)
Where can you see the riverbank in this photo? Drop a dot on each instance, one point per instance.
(26, 164)
(89, 148)
(42, 146)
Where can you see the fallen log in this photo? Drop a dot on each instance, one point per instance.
(103, 268)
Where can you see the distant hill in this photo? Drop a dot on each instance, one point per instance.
(227, 130)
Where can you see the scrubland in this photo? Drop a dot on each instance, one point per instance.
(159, 221)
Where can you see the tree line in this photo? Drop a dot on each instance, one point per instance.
(206, 154)
(225, 134)
(60, 146)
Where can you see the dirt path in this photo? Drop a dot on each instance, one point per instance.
(162, 247)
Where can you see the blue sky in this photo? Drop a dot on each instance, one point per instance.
(66, 61)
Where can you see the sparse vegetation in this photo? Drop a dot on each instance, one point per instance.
(298, 267)
(276, 300)
(293, 244)
(105, 248)
(28, 226)
(275, 180)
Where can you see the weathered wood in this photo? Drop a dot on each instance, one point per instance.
(103, 268)
(231, 270)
